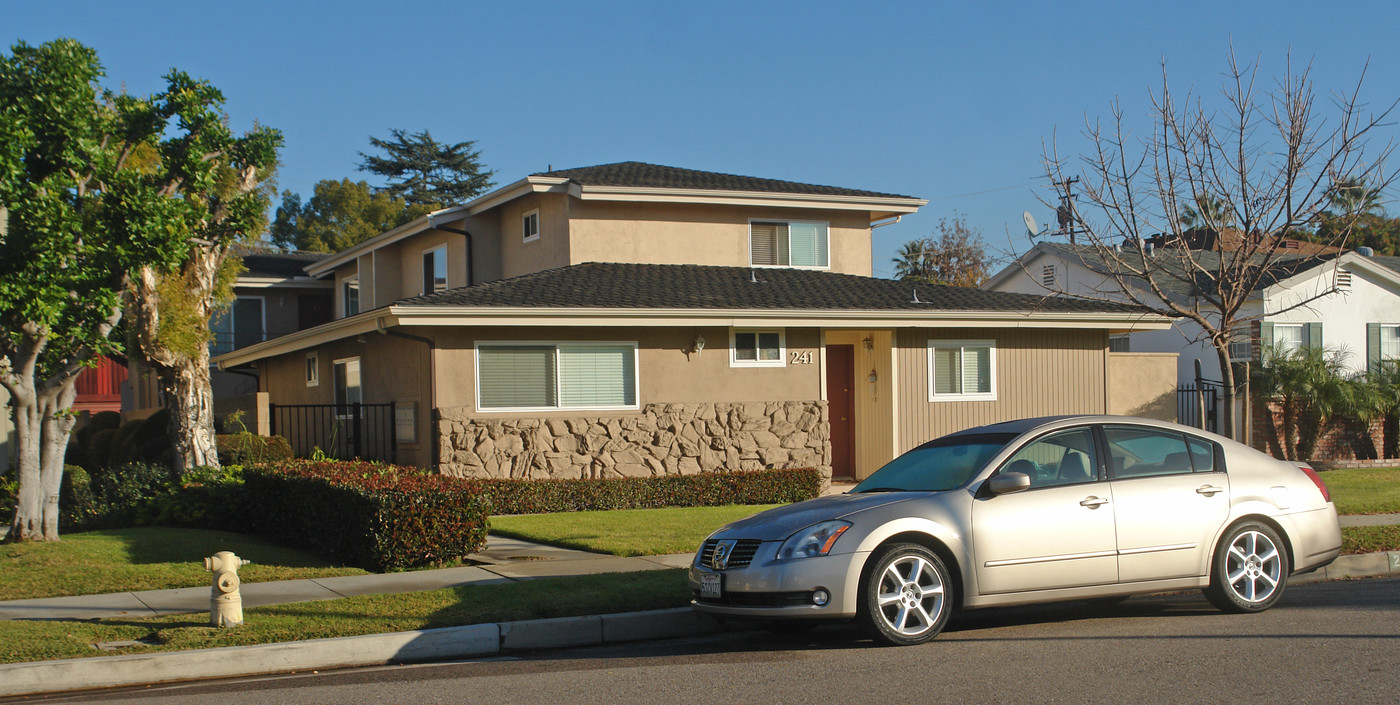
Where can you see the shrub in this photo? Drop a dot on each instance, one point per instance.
(705, 489)
(248, 448)
(76, 501)
(379, 517)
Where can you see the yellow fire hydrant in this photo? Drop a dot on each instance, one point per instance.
(225, 602)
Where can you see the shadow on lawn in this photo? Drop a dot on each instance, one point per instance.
(170, 544)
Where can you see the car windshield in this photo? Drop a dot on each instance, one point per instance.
(943, 464)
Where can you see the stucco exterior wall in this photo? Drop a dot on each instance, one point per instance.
(669, 233)
(1039, 372)
(552, 248)
(1142, 384)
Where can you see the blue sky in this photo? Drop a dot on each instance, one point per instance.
(935, 100)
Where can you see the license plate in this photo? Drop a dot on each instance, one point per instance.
(710, 585)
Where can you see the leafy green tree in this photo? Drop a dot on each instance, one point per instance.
(77, 216)
(340, 214)
(213, 182)
(1371, 230)
(954, 255)
(424, 172)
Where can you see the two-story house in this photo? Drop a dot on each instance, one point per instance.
(633, 319)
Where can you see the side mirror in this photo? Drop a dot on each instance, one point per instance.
(1008, 482)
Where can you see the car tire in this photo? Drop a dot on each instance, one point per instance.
(1249, 570)
(906, 595)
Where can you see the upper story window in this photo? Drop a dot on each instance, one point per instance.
(350, 295)
(756, 348)
(530, 226)
(241, 325)
(962, 370)
(789, 244)
(435, 270)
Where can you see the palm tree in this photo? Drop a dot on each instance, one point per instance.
(1309, 387)
(1354, 197)
(914, 260)
(1384, 383)
(1207, 211)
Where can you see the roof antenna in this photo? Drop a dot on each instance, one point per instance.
(916, 300)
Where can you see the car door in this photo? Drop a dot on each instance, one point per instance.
(1057, 534)
(1170, 499)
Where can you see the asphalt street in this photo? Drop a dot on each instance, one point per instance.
(1330, 642)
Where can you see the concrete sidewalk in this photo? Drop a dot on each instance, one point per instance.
(502, 561)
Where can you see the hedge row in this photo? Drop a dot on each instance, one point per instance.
(702, 490)
(379, 517)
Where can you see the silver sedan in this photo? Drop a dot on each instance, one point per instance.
(1037, 510)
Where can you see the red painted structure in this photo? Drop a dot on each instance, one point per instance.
(100, 386)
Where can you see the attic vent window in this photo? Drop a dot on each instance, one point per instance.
(1290, 244)
(1047, 276)
(1343, 279)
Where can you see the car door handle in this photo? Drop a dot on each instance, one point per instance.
(1093, 502)
(1209, 490)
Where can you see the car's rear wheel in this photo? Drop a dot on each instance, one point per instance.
(907, 595)
(1250, 569)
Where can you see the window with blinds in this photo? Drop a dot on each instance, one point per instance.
(789, 244)
(569, 375)
(962, 370)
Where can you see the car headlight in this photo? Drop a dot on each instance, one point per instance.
(815, 540)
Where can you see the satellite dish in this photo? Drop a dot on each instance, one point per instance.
(1031, 227)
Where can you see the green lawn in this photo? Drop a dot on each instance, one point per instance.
(352, 616)
(625, 532)
(146, 558)
(1368, 539)
(1364, 490)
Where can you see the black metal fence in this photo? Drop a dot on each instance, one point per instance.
(1196, 406)
(343, 431)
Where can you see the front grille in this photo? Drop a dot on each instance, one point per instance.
(757, 599)
(739, 556)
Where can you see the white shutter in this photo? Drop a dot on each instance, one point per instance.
(597, 375)
(515, 377)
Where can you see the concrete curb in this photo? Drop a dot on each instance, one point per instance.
(435, 644)
(347, 652)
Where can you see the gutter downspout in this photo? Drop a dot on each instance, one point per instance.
(880, 224)
(470, 259)
(432, 380)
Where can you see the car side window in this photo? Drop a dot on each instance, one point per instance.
(1147, 452)
(1202, 454)
(1063, 458)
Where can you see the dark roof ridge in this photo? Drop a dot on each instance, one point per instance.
(647, 175)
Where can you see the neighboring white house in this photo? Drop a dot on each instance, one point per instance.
(1353, 305)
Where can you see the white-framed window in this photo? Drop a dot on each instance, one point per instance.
(435, 270)
(350, 295)
(530, 226)
(1121, 342)
(1289, 337)
(962, 370)
(533, 376)
(347, 385)
(313, 369)
(790, 243)
(757, 348)
(1390, 342)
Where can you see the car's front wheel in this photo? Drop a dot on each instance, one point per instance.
(907, 595)
(1249, 570)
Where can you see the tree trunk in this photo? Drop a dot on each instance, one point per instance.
(189, 398)
(42, 429)
(58, 421)
(1227, 406)
(28, 522)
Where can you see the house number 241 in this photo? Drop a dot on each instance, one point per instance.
(803, 357)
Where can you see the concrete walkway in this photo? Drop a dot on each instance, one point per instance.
(1369, 520)
(502, 561)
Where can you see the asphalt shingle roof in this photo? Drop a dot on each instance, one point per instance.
(685, 286)
(267, 262)
(639, 174)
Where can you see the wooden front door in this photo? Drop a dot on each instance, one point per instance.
(841, 407)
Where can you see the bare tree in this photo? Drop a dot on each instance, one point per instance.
(1267, 162)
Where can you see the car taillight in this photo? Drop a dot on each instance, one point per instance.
(1317, 480)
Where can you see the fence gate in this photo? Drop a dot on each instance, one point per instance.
(343, 431)
(1196, 406)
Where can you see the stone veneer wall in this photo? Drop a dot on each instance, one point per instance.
(661, 439)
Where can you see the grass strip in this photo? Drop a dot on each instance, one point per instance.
(22, 641)
(1368, 539)
(145, 558)
(625, 532)
(1364, 490)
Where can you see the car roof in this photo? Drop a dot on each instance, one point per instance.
(1020, 426)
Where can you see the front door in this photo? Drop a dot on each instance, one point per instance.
(841, 407)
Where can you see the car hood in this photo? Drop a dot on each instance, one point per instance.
(782, 522)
